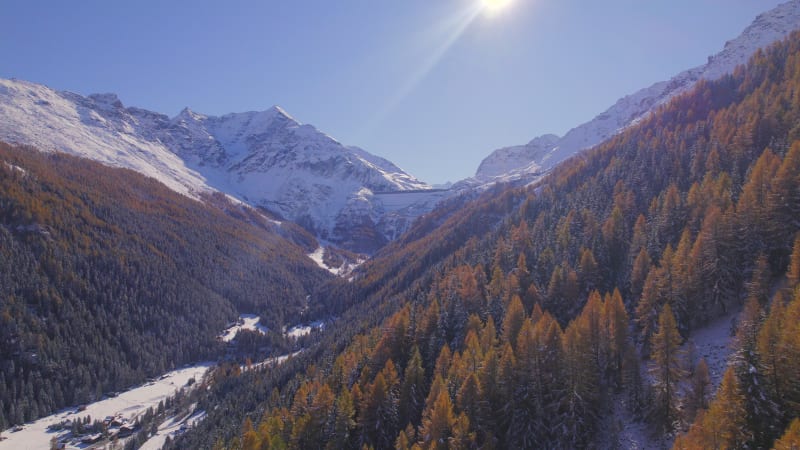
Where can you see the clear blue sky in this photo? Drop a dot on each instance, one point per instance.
(392, 76)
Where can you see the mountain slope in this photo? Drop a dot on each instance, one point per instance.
(543, 153)
(506, 326)
(265, 158)
(108, 277)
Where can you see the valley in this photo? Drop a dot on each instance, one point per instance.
(128, 406)
(246, 281)
(120, 415)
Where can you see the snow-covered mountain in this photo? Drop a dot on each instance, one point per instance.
(542, 153)
(264, 158)
(505, 159)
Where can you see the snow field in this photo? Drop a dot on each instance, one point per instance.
(246, 322)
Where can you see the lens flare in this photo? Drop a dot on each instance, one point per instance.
(495, 5)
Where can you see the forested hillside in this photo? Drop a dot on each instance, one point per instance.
(108, 277)
(520, 318)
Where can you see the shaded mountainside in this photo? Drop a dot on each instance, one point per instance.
(107, 277)
(543, 153)
(511, 320)
(264, 158)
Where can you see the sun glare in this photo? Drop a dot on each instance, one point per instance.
(495, 5)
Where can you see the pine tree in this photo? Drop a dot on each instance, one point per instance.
(538, 384)
(488, 335)
(412, 390)
(589, 272)
(343, 422)
(666, 368)
(512, 322)
(616, 330)
(793, 274)
(641, 267)
(768, 344)
(789, 351)
(632, 380)
(462, 437)
(724, 425)
(658, 289)
(761, 282)
(593, 326)
(438, 419)
(784, 202)
(791, 439)
(762, 412)
(582, 383)
(378, 414)
(404, 439)
(493, 390)
(699, 390)
(250, 439)
(752, 209)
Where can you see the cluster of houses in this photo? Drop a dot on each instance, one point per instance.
(114, 426)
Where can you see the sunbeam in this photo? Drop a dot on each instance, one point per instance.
(452, 30)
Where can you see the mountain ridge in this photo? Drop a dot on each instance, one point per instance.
(765, 29)
(264, 158)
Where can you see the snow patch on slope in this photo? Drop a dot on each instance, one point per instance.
(304, 330)
(246, 322)
(344, 269)
(15, 168)
(173, 427)
(714, 342)
(94, 127)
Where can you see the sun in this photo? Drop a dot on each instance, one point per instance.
(495, 5)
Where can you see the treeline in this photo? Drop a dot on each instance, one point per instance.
(523, 384)
(108, 277)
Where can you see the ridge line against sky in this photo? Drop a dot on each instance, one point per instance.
(433, 86)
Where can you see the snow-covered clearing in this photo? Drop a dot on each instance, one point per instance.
(713, 342)
(318, 256)
(630, 433)
(270, 361)
(172, 427)
(129, 404)
(302, 330)
(15, 168)
(246, 322)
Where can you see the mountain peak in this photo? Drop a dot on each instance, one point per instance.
(277, 110)
(106, 100)
(510, 159)
(187, 113)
